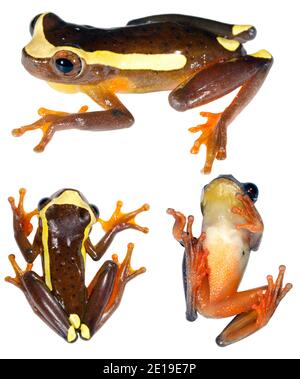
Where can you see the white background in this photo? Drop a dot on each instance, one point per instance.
(150, 162)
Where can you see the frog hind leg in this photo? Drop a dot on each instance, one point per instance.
(241, 33)
(41, 300)
(247, 72)
(249, 322)
(105, 292)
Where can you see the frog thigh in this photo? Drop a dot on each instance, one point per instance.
(241, 33)
(46, 306)
(100, 291)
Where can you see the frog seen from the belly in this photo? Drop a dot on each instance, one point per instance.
(214, 263)
(60, 297)
(198, 60)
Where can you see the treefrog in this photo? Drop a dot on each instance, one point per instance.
(60, 297)
(214, 263)
(198, 60)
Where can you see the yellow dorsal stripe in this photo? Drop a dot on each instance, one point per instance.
(66, 197)
(39, 47)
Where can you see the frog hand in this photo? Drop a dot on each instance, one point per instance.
(21, 218)
(179, 224)
(48, 123)
(253, 220)
(18, 271)
(213, 137)
(121, 221)
(270, 298)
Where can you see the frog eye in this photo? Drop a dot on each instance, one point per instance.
(42, 203)
(67, 63)
(251, 190)
(33, 22)
(95, 210)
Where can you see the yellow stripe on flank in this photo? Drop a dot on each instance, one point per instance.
(228, 44)
(39, 47)
(262, 54)
(238, 29)
(67, 197)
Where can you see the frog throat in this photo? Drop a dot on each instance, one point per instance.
(67, 197)
(40, 47)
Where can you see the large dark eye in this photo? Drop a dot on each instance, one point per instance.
(95, 210)
(67, 63)
(64, 65)
(251, 190)
(32, 24)
(43, 202)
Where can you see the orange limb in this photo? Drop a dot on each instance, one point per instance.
(248, 322)
(253, 222)
(46, 123)
(179, 223)
(124, 274)
(118, 217)
(213, 137)
(21, 217)
(18, 271)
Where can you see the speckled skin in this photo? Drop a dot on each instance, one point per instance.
(61, 296)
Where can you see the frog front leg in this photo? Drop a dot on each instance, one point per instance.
(115, 116)
(23, 228)
(247, 72)
(118, 222)
(105, 292)
(41, 300)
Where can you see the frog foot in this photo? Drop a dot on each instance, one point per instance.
(124, 220)
(213, 137)
(270, 298)
(18, 271)
(253, 222)
(20, 216)
(125, 271)
(48, 125)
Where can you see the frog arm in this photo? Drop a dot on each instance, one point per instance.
(115, 116)
(118, 222)
(241, 33)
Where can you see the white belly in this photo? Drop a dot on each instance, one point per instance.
(227, 259)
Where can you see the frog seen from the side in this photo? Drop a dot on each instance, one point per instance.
(214, 263)
(198, 60)
(60, 297)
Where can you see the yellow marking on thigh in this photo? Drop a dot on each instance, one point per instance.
(39, 47)
(262, 54)
(85, 332)
(228, 44)
(71, 334)
(238, 29)
(74, 320)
